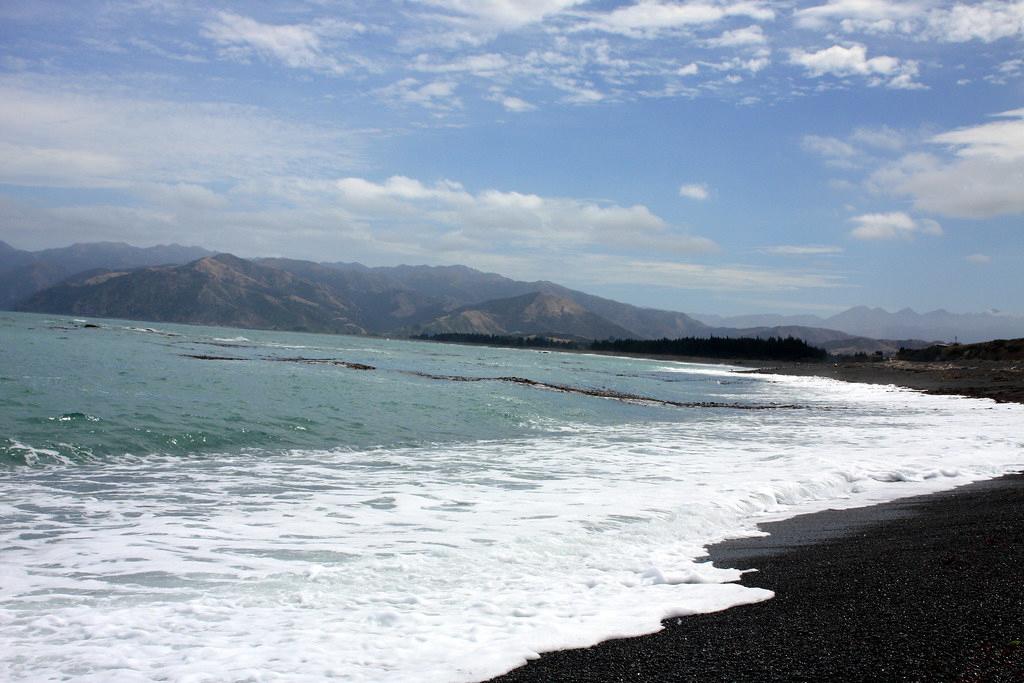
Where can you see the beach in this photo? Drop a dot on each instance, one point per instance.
(523, 503)
(923, 588)
(1000, 380)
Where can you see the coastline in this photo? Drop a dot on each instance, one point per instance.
(999, 380)
(921, 588)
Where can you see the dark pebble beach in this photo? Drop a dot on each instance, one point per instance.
(929, 588)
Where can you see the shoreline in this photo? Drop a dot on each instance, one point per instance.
(1002, 380)
(920, 588)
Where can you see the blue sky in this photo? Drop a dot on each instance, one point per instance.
(707, 156)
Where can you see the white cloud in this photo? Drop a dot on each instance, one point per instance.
(54, 134)
(752, 64)
(843, 61)
(883, 138)
(183, 195)
(857, 150)
(438, 95)
(698, 191)
(500, 15)
(492, 218)
(1005, 71)
(836, 152)
(513, 104)
(984, 177)
(986, 21)
(860, 15)
(299, 46)
(802, 250)
(737, 278)
(650, 18)
(577, 92)
(890, 226)
(1001, 140)
(978, 259)
(484, 65)
(740, 37)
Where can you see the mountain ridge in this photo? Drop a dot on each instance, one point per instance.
(906, 323)
(23, 273)
(408, 298)
(537, 313)
(214, 290)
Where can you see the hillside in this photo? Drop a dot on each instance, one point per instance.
(877, 323)
(23, 273)
(537, 313)
(379, 303)
(404, 297)
(216, 290)
(834, 341)
(996, 350)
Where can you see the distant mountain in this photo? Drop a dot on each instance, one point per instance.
(186, 284)
(379, 302)
(996, 350)
(23, 273)
(419, 294)
(453, 286)
(13, 258)
(878, 323)
(385, 300)
(215, 290)
(648, 323)
(536, 313)
(834, 341)
(760, 320)
(936, 325)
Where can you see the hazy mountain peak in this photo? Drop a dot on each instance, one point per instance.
(533, 313)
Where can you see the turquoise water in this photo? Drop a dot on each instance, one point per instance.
(169, 514)
(128, 388)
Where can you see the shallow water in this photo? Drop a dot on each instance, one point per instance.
(166, 517)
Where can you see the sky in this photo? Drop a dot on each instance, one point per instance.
(711, 156)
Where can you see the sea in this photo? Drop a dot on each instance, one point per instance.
(187, 503)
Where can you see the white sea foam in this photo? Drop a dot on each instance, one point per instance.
(33, 455)
(701, 370)
(449, 563)
(152, 330)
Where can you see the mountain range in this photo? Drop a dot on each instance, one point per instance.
(173, 283)
(23, 273)
(319, 297)
(939, 325)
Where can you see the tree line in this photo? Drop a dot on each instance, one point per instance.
(753, 348)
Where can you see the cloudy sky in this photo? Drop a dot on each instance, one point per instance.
(725, 156)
